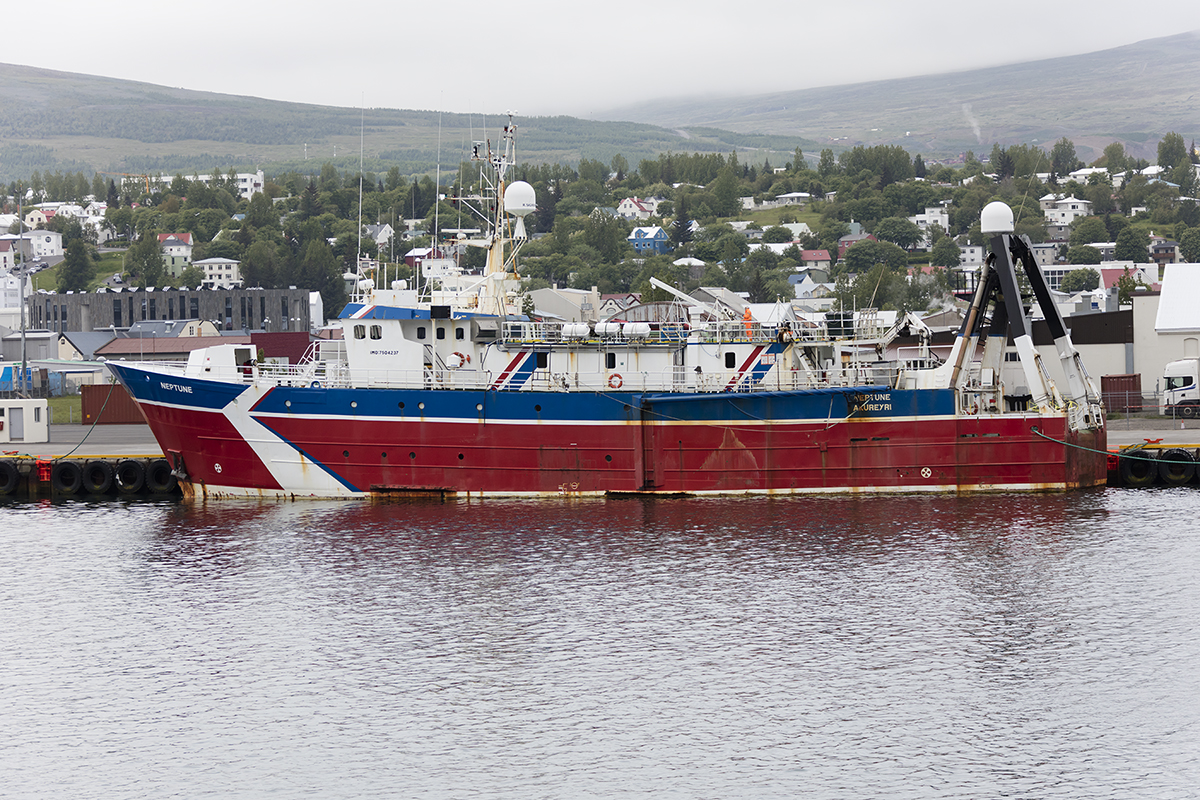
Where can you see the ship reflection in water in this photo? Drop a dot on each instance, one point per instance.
(1010, 645)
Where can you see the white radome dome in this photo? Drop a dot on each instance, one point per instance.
(520, 199)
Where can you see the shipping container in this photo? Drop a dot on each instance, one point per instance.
(1121, 392)
(117, 406)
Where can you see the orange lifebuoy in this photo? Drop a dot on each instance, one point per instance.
(462, 359)
(615, 381)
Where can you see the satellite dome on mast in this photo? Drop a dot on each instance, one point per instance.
(520, 200)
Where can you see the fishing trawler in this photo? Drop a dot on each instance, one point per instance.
(452, 390)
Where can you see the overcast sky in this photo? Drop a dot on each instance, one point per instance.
(545, 58)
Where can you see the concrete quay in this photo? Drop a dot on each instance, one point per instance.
(101, 440)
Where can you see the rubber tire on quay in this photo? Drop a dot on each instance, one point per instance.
(66, 477)
(1138, 469)
(159, 478)
(97, 477)
(1176, 467)
(10, 477)
(130, 476)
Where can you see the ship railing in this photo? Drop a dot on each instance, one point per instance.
(728, 331)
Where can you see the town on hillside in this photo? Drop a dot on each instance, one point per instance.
(154, 266)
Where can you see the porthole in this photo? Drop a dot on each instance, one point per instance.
(345, 454)
(537, 409)
(412, 455)
(479, 406)
(608, 458)
(400, 405)
(460, 456)
(421, 406)
(383, 454)
(287, 403)
(354, 404)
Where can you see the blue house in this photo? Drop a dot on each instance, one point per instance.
(651, 240)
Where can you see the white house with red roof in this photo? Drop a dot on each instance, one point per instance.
(638, 207)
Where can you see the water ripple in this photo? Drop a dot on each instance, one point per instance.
(1006, 646)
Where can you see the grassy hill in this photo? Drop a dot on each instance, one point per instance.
(62, 121)
(57, 121)
(1133, 94)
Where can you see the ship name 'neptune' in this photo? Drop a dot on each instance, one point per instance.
(873, 402)
(175, 387)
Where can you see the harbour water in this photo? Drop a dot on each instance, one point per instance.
(899, 647)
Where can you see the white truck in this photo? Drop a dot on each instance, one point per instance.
(1181, 397)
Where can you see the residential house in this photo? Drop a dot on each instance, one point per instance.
(82, 345)
(792, 199)
(38, 217)
(7, 259)
(933, 215)
(651, 240)
(1060, 211)
(176, 252)
(638, 208)
(817, 258)
(35, 245)
(380, 234)
(851, 239)
(220, 273)
(1164, 250)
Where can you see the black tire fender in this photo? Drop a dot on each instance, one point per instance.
(159, 478)
(66, 477)
(1138, 469)
(97, 477)
(130, 476)
(1176, 467)
(10, 477)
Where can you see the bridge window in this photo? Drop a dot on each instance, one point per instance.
(459, 333)
(441, 333)
(610, 360)
(376, 331)
(420, 331)
(730, 361)
(360, 332)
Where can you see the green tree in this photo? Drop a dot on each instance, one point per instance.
(725, 191)
(1172, 151)
(144, 262)
(191, 277)
(1189, 245)
(1080, 280)
(317, 270)
(899, 231)
(607, 235)
(777, 234)
(945, 253)
(1083, 254)
(1086, 230)
(1115, 160)
(1132, 245)
(866, 254)
(1127, 284)
(828, 165)
(77, 268)
(1062, 157)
